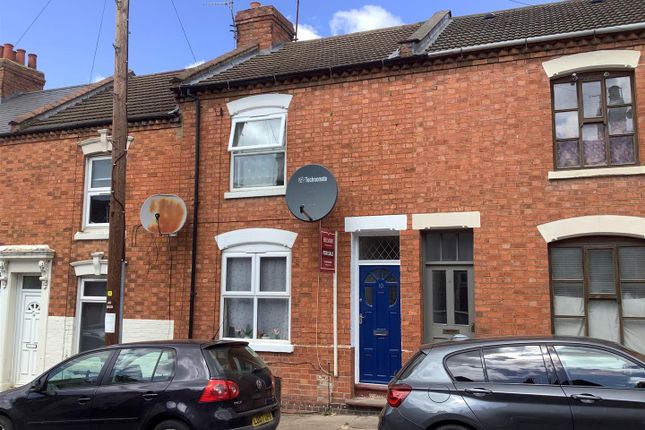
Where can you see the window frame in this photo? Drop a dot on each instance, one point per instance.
(82, 298)
(579, 79)
(109, 377)
(563, 373)
(256, 253)
(107, 365)
(249, 118)
(90, 192)
(587, 244)
(257, 108)
(280, 148)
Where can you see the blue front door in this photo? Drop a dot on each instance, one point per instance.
(380, 323)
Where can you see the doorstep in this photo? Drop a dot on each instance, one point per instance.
(368, 397)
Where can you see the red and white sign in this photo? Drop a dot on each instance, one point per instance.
(327, 251)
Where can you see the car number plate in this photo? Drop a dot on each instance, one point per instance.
(258, 420)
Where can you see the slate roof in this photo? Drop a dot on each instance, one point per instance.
(20, 104)
(148, 96)
(547, 19)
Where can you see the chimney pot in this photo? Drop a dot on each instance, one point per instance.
(12, 56)
(7, 50)
(255, 4)
(20, 56)
(31, 61)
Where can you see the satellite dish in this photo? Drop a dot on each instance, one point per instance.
(163, 214)
(311, 193)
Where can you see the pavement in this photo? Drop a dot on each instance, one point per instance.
(315, 421)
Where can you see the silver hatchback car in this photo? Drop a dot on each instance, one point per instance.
(555, 383)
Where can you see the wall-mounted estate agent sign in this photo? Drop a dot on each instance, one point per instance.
(327, 251)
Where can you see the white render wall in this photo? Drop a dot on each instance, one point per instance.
(60, 337)
(143, 330)
(61, 342)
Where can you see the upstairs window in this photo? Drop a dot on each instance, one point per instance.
(594, 120)
(257, 149)
(97, 191)
(258, 145)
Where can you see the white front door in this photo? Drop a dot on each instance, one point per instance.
(27, 330)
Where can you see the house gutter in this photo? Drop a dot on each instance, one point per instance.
(90, 123)
(538, 39)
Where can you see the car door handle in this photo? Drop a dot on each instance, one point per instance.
(149, 396)
(478, 392)
(84, 400)
(586, 398)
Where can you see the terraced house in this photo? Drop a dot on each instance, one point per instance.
(490, 182)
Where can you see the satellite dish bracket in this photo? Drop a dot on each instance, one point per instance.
(304, 212)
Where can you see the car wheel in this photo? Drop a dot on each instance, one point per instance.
(5, 424)
(452, 427)
(171, 425)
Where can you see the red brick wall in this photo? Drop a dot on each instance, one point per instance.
(477, 137)
(15, 78)
(264, 26)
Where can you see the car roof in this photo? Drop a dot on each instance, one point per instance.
(203, 343)
(458, 345)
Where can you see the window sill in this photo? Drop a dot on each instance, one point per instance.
(259, 345)
(591, 173)
(257, 192)
(97, 234)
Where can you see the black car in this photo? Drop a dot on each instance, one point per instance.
(554, 383)
(149, 386)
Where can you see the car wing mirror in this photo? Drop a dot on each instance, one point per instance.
(36, 386)
(640, 384)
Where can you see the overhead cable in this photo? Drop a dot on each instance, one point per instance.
(33, 22)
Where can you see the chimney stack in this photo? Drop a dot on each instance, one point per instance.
(15, 77)
(262, 25)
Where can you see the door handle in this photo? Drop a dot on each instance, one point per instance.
(586, 398)
(83, 400)
(478, 392)
(149, 396)
(360, 318)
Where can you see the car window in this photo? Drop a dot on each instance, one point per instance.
(142, 365)
(466, 367)
(412, 364)
(79, 372)
(515, 365)
(232, 360)
(599, 368)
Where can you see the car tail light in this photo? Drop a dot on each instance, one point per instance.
(396, 394)
(219, 390)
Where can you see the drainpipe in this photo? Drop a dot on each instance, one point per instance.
(193, 263)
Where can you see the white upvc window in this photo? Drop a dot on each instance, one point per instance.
(98, 180)
(256, 296)
(90, 313)
(258, 145)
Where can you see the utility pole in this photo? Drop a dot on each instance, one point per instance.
(116, 246)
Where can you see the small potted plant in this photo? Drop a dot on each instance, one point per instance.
(248, 332)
